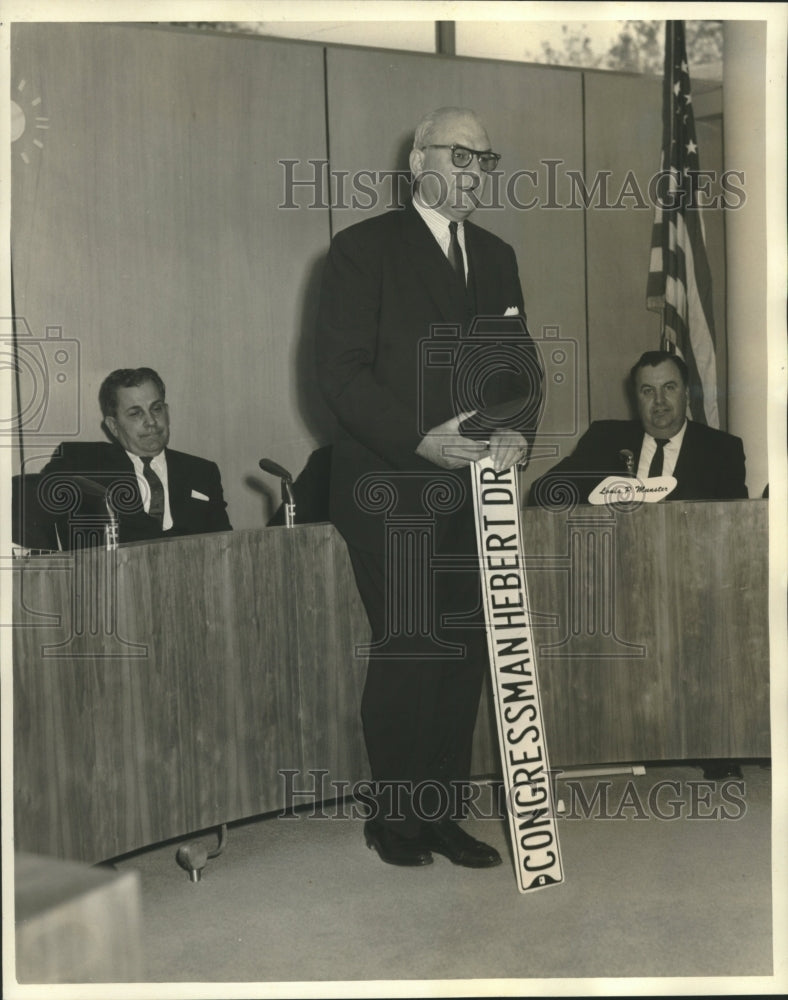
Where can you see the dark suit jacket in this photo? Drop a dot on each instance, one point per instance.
(710, 465)
(108, 465)
(386, 284)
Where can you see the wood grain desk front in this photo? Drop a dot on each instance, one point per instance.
(173, 686)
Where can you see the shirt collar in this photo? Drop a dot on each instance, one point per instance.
(437, 223)
(158, 462)
(677, 438)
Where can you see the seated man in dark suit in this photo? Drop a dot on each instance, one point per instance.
(707, 464)
(156, 492)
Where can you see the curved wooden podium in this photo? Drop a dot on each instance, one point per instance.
(173, 686)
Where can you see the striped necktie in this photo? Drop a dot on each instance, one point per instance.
(156, 509)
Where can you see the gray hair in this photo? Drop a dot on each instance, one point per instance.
(426, 127)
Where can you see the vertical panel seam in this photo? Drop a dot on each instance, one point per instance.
(328, 142)
(585, 251)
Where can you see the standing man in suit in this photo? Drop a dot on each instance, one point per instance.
(708, 464)
(155, 491)
(404, 438)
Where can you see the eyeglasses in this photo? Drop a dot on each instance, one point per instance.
(461, 156)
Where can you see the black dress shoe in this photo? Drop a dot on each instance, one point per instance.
(720, 770)
(447, 838)
(393, 848)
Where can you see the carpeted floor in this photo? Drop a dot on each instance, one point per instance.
(304, 900)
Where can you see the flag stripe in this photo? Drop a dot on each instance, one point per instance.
(702, 338)
(679, 279)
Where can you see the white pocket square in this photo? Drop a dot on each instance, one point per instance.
(196, 495)
(512, 311)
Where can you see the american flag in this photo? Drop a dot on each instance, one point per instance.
(679, 280)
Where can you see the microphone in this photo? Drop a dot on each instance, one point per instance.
(288, 499)
(628, 458)
(268, 465)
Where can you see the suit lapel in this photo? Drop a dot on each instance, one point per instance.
(120, 462)
(431, 266)
(686, 468)
(635, 442)
(176, 485)
(482, 275)
(119, 459)
(613, 443)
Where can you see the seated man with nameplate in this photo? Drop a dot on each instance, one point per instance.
(660, 456)
(149, 490)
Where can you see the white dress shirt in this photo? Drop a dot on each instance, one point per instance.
(439, 227)
(670, 453)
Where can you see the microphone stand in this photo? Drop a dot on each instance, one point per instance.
(111, 531)
(289, 501)
(628, 458)
(288, 498)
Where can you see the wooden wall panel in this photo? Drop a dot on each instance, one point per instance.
(623, 127)
(147, 227)
(532, 115)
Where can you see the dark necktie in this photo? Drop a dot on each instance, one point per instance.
(156, 508)
(455, 253)
(655, 469)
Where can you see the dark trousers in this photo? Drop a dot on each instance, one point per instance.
(424, 676)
